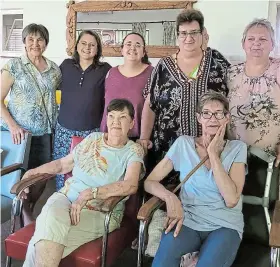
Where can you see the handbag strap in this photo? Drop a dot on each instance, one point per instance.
(191, 173)
(40, 91)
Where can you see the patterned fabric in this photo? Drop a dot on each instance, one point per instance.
(97, 164)
(62, 142)
(255, 105)
(169, 33)
(174, 99)
(25, 104)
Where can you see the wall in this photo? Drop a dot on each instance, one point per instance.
(225, 21)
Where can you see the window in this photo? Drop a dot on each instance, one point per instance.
(11, 27)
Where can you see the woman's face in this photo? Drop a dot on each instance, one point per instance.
(35, 45)
(119, 123)
(190, 36)
(87, 47)
(258, 42)
(133, 48)
(212, 117)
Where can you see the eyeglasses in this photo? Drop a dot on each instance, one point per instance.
(85, 44)
(129, 45)
(219, 115)
(184, 34)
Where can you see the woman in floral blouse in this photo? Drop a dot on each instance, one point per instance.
(176, 84)
(254, 90)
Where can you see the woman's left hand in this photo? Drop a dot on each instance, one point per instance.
(78, 205)
(217, 144)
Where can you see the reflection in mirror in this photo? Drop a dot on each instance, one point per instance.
(158, 27)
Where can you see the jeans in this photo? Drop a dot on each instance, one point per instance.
(216, 248)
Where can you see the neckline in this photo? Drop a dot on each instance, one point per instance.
(117, 67)
(198, 157)
(111, 147)
(259, 76)
(181, 74)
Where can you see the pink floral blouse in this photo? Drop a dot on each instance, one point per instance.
(255, 105)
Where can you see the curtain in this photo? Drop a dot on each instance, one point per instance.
(169, 33)
(139, 27)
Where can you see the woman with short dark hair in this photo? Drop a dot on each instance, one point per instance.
(82, 100)
(32, 80)
(176, 84)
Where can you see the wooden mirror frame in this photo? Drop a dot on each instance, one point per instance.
(154, 51)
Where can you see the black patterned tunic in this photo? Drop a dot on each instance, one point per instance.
(174, 98)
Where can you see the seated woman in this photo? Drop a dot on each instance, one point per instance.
(208, 216)
(103, 165)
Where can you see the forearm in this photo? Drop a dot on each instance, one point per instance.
(225, 184)
(157, 189)
(117, 189)
(6, 116)
(147, 122)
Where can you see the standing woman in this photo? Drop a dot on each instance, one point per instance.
(129, 80)
(82, 100)
(32, 81)
(176, 84)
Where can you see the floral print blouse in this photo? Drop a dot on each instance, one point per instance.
(255, 105)
(26, 104)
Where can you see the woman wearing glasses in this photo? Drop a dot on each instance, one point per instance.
(208, 216)
(176, 84)
(129, 79)
(82, 91)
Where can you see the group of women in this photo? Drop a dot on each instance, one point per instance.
(195, 95)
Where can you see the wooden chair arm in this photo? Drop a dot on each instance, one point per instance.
(22, 184)
(11, 168)
(274, 237)
(148, 208)
(109, 204)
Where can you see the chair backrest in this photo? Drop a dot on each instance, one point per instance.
(256, 223)
(132, 204)
(13, 154)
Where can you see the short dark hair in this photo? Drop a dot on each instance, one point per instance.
(212, 96)
(119, 105)
(190, 15)
(34, 28)
(96, 59)
(145, 58)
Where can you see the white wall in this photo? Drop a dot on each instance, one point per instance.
(225, 21)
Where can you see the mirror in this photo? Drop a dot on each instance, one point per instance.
(113, 20)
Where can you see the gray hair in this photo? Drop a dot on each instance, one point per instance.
(263, 23)
(212, 96)
(34, 29)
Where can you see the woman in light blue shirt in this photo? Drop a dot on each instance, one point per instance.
(208, 216)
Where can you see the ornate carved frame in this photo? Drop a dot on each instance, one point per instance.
(114, 50)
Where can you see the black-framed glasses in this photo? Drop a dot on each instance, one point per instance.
(184, 34)
(219, 115)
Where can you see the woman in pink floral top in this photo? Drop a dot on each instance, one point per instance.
(254, 90)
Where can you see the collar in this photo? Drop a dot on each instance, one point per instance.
(25, 60)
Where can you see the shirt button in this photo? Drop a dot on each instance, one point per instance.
(82, 78)
(83, 73)
(80, 83)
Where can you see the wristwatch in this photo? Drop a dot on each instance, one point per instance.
(94, 191)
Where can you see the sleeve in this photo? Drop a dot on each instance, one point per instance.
(241, 156)
(153, 86)
(174, 153)
(10, 66)
(146, 89)
(137, 155)
(58, 77)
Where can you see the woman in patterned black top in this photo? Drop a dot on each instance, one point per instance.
(176, 84)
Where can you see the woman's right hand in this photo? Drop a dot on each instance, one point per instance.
(24, 193)
(17, 134)
(175, 214)
(146, 144)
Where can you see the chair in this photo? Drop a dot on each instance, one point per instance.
(261, 239)
(92, 254)
(14, 161)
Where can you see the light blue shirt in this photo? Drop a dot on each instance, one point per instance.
(97, 164)
(204, 206)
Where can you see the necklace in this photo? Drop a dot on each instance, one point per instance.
(198, 72)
